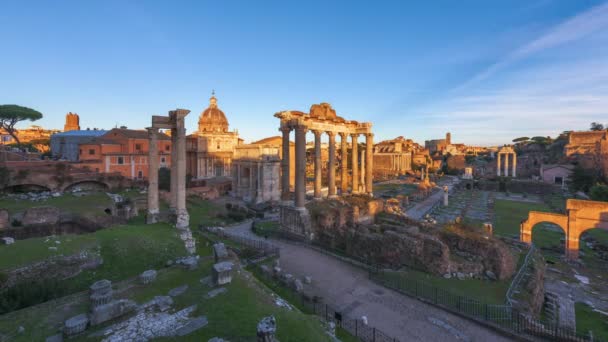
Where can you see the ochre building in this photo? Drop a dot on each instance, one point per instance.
(125, 151)
(209, 150)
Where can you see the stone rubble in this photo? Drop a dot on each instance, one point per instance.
(178, 291)
(76, 324)
(147, 277)
(147, 325)
(216, 292)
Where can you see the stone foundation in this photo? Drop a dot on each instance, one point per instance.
(296, 221)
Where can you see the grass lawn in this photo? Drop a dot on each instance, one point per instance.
(402, 189)
(266, 228)
(94, 203)
(587, 319)
(490, 292)
(233, 315)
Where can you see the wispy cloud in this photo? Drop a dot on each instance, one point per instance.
(573, 29)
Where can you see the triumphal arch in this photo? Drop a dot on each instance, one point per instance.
(580, 216)
(320, 120)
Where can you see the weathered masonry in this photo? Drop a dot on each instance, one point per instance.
(581, 216)
(322, 119)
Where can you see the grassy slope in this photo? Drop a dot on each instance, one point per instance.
(94, 203)
(490, 292)
(587, 319)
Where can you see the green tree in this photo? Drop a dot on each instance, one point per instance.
(582, 179)
(10, 115)
(521, 139)
(599, 192)
(596, 126)
(164, 178)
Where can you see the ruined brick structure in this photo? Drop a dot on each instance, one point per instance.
(394, 157)
(589, 149)
(72, 122)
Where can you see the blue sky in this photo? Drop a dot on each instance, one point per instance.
(488, 71)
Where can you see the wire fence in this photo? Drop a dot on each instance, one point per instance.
(314, 305)
(502, 317)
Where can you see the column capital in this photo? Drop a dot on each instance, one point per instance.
(354, 135)
(285, 129)
(317, 133)
(331, 133)
(300, 128)
(369, 135)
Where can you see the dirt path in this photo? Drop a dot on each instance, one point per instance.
(348, 288)
(420, 209)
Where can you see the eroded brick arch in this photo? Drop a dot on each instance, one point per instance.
(581, 216)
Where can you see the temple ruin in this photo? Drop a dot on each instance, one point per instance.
(504, 153)
(321, 119)
(179, 213)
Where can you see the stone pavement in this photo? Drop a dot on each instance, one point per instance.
(420, 209)
(348, 288)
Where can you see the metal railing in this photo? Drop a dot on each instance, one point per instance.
(520, 275)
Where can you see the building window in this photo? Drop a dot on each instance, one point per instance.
(91, 151)
(559, 180)
(121, 160)
(167, 147)
(138, 147)
(80, 151)
(140, 174)
(162, 160)
(218, 145)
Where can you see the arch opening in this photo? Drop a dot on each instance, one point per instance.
(594, 247)
(25, 188)
(551, 239)
(87, 186)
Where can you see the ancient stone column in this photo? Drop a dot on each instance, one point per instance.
(331, 192)
(514, 172)
(173, 188)
(183, 219)
(344, 163)
(498, 164)
(445, 195)
(285, 165)
(369, 141)
(355, 163)
(362, 172)
(506, 165)
(300, 186)
(318, 173)
(152, 216)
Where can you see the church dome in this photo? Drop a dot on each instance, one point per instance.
(212, 119)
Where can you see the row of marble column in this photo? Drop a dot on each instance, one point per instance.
(506, 165)
(178, 171)
(300, 161)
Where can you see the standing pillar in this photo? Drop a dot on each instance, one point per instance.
(369, 141)
(514, 172)
(173, 187)
(331, 191)
(183, 219)
(355, 163)
(498, 164)
(153, 210)
(344, 163)
(300, 186)
(506, 165)
(285, 165)
(318, 173)
(362, 157)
